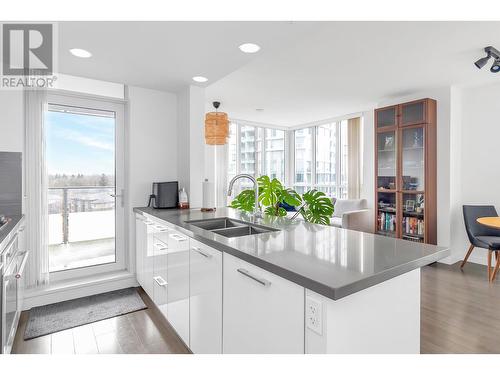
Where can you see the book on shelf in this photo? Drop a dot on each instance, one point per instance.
(413, 226)
(386, 222)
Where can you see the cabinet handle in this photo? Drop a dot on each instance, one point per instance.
(178, 237)
(198, 250)
(19, 273)
(160, 247)
(263, 282)
(160, 280)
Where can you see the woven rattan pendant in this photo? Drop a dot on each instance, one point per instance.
(216, 127)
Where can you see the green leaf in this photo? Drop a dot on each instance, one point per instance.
(281, 211)
(269, 190)
(244, 201)
(291, 197)
(270, 211)
(319, 207)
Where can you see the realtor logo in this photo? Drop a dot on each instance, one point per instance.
(28, 51)
(27, 48)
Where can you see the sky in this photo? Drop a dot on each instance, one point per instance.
(79, 144)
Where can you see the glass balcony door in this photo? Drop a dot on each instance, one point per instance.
(84, 163)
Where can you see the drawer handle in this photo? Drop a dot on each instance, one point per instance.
(198, 250)
(263, 282)
(160, 247)
(178, 237)
(160, 280)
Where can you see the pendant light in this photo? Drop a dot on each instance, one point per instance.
(216, 127)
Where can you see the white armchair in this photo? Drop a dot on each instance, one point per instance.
(351, 214)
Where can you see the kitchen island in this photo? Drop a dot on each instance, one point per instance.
(291, 287)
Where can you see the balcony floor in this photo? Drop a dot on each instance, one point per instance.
(81, 254)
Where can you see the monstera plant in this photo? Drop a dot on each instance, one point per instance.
(314, 206)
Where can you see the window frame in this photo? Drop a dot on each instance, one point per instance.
(260, 161)
(337, 187)
(122, 254)
(289, 152)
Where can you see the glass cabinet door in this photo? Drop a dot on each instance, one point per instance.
(386, 117)
(413, 227)
(413, 169)
(386, 213)
(413, 113)
(386, 160)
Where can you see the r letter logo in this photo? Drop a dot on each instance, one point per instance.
(27, 48)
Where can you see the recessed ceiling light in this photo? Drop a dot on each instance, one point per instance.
(200, 79)
(78, 52)
(249, 48)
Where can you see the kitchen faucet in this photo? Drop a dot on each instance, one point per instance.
(256, 210)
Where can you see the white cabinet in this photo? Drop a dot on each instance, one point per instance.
(140, 246)
(205, 301)
(160, 268)
(148, 260)
(178, 283)
(263, 313)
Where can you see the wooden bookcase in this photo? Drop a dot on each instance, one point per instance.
(405, 171)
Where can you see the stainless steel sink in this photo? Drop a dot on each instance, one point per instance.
(218, 223)
(246, 230)
(228, 227)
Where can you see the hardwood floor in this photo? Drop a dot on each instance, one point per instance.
(460, 313)
(140, 332)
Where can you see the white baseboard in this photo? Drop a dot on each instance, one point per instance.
(452, 259)
(77, 288)
(479, 259)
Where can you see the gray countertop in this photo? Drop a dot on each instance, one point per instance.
(331, 261)
(8, 228)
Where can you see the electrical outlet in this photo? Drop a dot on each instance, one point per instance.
(314, 318)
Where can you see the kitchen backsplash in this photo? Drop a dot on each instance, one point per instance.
(11, 175)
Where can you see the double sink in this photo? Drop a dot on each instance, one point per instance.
(228, 227)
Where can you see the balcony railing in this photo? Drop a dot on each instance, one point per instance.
(70, 201)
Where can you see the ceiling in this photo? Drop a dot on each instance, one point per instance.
(305, 72)
(347, 67)
(166, 55)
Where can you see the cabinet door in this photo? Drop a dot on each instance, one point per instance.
(413, 113)
(205, 300)
(385, 117)
(140, 247)
(160, 271)
(178, 283)
(148, 260)
(263, 313)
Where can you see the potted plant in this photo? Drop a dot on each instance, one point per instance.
(314, 206)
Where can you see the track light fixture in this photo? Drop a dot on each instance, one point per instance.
(490, 53)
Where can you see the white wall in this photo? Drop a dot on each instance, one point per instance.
(152, 146)
(476, 159)
(194, 159)
(11, 120)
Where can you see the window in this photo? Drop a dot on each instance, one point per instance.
(275, 154)
(303, 159)
(320, 160)
(257, 151)
(84, 162)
